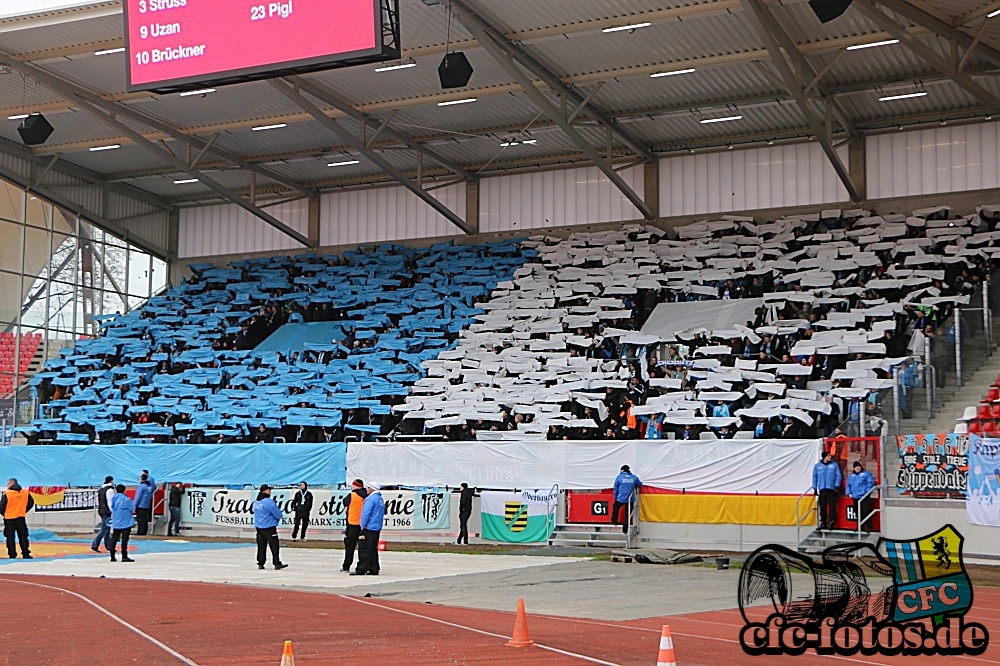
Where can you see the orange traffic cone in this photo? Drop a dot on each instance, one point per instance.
(666, 657)
(288, 655)
(521, 638)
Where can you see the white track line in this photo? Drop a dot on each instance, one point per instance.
(162, 646)
(584, 657)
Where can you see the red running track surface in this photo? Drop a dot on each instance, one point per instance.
(225, 624)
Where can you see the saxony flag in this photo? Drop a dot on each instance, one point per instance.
(523, 517)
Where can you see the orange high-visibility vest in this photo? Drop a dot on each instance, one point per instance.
(17, 504)
(354, 509)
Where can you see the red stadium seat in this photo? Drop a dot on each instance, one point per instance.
(993, 395)
(995, 411)
(974, 427)
(983, 412)
(989, 427)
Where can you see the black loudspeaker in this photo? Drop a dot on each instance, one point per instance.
(455, 70)
(827, 10)
(34, 130)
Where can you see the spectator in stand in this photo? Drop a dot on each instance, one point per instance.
(104, 497)
(15, 504)
(626, 487)
(122, 521)
(174, 504)
(372, 515)
(143, 504)
(465, 512)
(826, 481)
(266, 517)
(302, 505)
(355, 501)
(859, 484)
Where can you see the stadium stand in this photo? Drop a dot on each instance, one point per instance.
(15, 361)
(183, 368)
(542, 337)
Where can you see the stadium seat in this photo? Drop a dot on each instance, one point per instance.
(961, 428)
(970, 413)
(989, 427)
(983, 413)
(974, 427)
(992, 395)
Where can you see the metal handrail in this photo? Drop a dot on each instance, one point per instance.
(550, 520)
(799, 518)
(858, 510)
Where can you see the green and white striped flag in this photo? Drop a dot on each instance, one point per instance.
(522, 517)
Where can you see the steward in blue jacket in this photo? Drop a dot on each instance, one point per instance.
(121, 522)
(859, 484)
(266, 518)
(372, 516)
(826, 483)
(144, 504)
(626, 487)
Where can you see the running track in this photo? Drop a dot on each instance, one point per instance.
(173, 623)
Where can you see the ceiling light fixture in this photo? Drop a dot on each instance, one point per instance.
(406, 64)
(706, 121)
(457, 101)
(673, 73)
(261, 128)
(530, 142)
(111, 147)
(992, 14)
(185, 181)
(504, 144)
(890, 98)
(632, 26)
(887, 42)
(203, 91)
(344, 163)
(20, 116)
(110, 51)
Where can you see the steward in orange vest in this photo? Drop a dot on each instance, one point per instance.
(14, 506)
(354, 501)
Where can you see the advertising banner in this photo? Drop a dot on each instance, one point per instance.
(933, 463)
(404, 509)
(521, 517)
(63, 499)
(982, 500)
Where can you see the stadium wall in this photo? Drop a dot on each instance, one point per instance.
(907, 518)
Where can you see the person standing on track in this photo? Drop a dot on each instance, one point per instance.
(104, 497)
(143, 504)
(465, 512)
(372, 516)
(14, 506)
(355, 501)
(266, 517)
(122, 521)
(626, 487)
(302, 505)
(174, 505)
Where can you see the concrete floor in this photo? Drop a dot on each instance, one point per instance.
(309, 569)
(589, 589)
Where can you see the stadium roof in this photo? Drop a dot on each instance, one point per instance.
(942, 69)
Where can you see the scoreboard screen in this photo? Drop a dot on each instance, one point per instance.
(176, 45)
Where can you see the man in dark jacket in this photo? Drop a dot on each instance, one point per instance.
(302, 505)
(826, 480)
(174, 504)
(144, 504)
(465, 512)
(104, 496)
(353, 503)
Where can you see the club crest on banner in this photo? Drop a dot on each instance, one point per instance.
(930, 576)
(515, 516)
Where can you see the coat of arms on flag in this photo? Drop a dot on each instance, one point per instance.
(515, 516)
(930, 576)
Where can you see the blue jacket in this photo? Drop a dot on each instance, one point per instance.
(122, 508)
(826, 477)
(373, 512)
(858, 485)
(144, 495)
(626, 484)
(266, 513)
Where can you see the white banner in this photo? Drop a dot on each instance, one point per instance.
(404, 509)
(773, 466)
(982, 498)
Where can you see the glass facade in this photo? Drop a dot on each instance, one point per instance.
(58, 276)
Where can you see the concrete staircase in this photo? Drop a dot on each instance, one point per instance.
(588, 536)
(820, 540)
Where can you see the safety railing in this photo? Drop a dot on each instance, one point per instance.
(801, 519)
(862, 521)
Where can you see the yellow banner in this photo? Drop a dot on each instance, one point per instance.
(715, 509)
